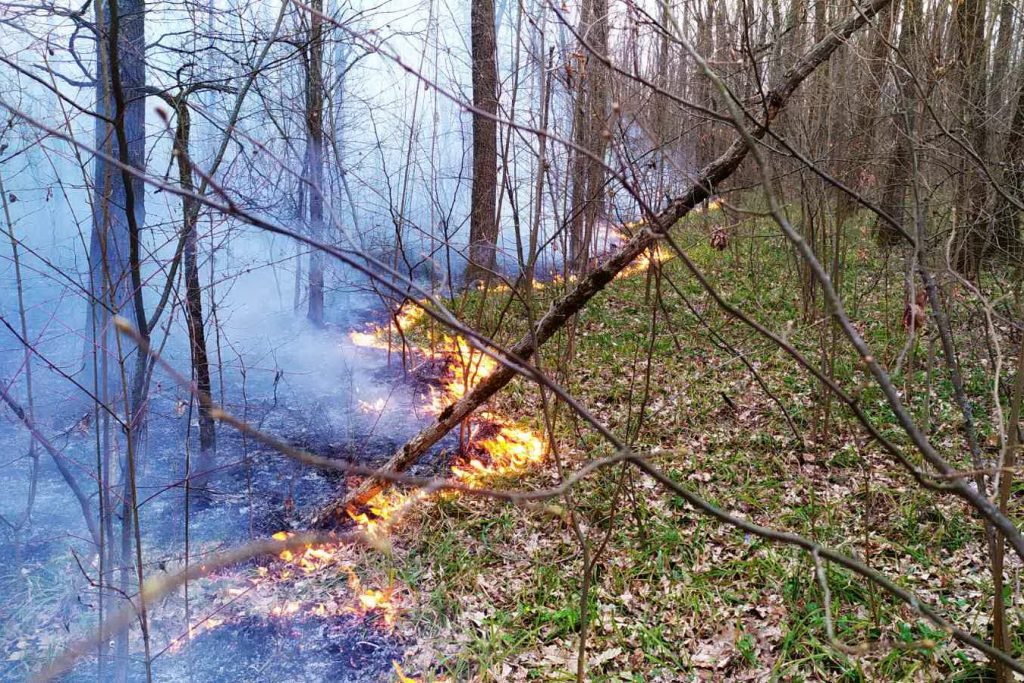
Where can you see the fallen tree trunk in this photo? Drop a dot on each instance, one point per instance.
(567, 306)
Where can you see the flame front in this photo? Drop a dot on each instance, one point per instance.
(496, 447)
(364, 602)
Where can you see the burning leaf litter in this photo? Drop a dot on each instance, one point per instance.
(495, 447)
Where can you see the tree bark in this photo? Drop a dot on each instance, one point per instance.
(118, 209)
(483, 226)
(588, 286)
(590, 123)
(974, 239)
(314, 159)
(894, 192)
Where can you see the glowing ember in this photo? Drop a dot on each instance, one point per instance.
(194, 630)
(330, 559)
(289, 608)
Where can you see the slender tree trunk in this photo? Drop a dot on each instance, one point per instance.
(1000, 87)
(483, 227)
(33, 452)
(590, 132)
(973, 236)
(194, 298)
(1000, 627)
(894, 192)
(314, 159)
(866, 114)
(119, 197)
(115, 280)
(1008, 216)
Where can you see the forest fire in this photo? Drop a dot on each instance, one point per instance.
(378, 514)
(382, 605)
(309, 168)
(494, 446)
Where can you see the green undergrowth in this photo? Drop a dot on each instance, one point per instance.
(676, 595)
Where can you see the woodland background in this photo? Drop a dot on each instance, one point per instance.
(611, 340)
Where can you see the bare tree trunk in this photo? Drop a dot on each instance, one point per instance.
(1008, 216)
(590, 121)
(119, 197)
(1000, 87)
(114, 262)
(894, 191)
(33, 452)
(973, 236)
(194, 298)
(483, 227)
(314, 158)
(1000, 627)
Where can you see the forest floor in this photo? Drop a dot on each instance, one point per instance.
(467, 588)
(494, 589)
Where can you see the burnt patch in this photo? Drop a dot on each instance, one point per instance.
(299, 648)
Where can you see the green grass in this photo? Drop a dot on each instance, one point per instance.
(670, 582)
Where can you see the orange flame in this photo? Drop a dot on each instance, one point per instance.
(374, 601)
(378, 514)
(314, 558)
(506, 450)
(380, 336)
(511, 451)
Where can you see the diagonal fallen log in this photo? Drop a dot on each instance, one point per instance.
(571, 303)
